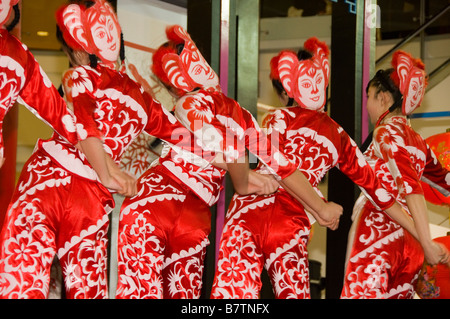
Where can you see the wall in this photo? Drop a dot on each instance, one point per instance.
(143, 25)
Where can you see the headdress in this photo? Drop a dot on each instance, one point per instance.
(409, 76)
(274, 72)
(180, 64)
(293, 72)
(77, 26)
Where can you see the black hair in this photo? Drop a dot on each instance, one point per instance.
(93, 60)
(88, 4)
(122, 48)
(382, 82)
(278, 86)
(60, 38)
(180, 48)
(304, 55)
(16, 19)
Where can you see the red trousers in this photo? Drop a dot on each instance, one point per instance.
(52, 212)
(263, 231)
(163, 235)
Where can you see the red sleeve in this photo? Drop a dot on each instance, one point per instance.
(256, 141)
(353, 164)
(222, 125)
(215, 132)
(275, 123)
(84, 84)
(39, 95)
(162, 124)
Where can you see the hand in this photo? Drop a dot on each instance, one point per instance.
(261, 184)
(121, 181)
(329, 216)
(2, 160)
(127, 183)
(436, 253)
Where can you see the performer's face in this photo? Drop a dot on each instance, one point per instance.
(5, 9)
(106, 36)
(312, 90)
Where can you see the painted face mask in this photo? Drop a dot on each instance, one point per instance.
(188, 69)
(95, 30)
(306, 80)
(5, 10)
(411, 80)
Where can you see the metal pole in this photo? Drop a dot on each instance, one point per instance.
(413, 34)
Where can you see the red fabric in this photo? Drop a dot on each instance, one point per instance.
(263, 231)
(61, 214)
(440, 146)
(273, 231)
(162, 240)
(405, 158)
(114, 108)
(21, 77)
(211, 114)
(384, 261)
(315, 143)
(434, 196)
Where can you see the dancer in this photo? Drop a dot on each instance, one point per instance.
(59, 205)
(383, 260)
(273, 231)
(166, 261)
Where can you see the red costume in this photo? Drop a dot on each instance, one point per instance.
(163, 231)
(21, 79)
(384, 261)
(59, 205)
(272, 231)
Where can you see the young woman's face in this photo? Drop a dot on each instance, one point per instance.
(374, 104)
(5, 8)
(107, 39)
(312, 90)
